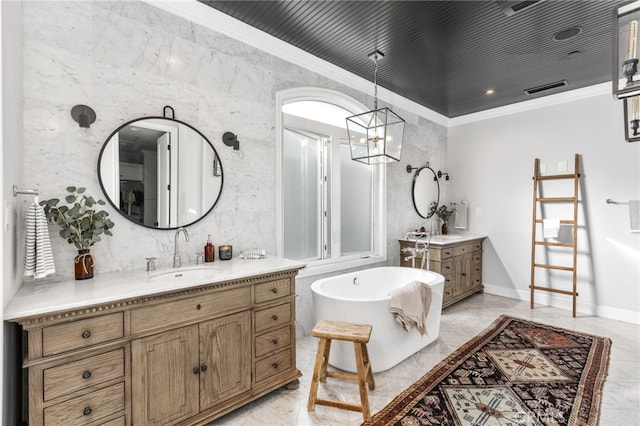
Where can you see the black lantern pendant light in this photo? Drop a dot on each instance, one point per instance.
(375, 136)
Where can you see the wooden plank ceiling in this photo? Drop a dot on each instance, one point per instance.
(446, 54)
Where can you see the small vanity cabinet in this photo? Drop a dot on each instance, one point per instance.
(180, 357)
(458, 259)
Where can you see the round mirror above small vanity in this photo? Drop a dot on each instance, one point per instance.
(160, 172)
(425, 190)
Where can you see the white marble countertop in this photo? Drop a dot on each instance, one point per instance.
(37, 297)
(441, 240)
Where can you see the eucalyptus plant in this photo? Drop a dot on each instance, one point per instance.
(444, 212)
(80, 223)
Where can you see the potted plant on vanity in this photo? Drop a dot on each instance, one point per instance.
(80, 224)
(444, 213)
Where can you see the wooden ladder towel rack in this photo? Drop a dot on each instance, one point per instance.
(537, 224)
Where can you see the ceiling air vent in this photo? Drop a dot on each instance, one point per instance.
(544, 87)
(510, 8)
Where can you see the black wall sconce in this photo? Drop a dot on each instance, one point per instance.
(445, 174)
(83, 115)
(230, 139)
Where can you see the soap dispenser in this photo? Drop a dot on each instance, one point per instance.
(209, 255)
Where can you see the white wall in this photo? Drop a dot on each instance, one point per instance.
(491, 166)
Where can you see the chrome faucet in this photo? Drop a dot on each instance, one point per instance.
(420, 247)
(176, 254)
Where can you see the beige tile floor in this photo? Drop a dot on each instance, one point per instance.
(460, 322)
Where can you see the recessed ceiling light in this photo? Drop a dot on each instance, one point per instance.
(567, 33)
(490, 92)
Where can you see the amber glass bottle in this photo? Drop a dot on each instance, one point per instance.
(209, 253)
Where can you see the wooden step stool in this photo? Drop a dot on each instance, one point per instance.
(358, 334)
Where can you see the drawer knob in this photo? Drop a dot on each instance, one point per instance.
(86, 374)
(274, 290)
(86, 334)
(203, 367)
(464, 274)
(196, 370)
(274, 317)
(198, 306)
(87, 410)
(274, 341)
(275, 365)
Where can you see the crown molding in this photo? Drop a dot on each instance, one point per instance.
(546, 101)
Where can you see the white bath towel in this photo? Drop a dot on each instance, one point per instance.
(550, 228)
(409, 305)
(634, 215)
(38, 257)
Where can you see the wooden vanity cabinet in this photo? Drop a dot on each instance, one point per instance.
(181, 358)
(460, 262)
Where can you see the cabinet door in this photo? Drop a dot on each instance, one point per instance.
(463, 270)
(225, 356)
(164, 377)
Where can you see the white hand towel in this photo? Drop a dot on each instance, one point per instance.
(38, 257)
(409, 305)
(550, 228)
(634, 215)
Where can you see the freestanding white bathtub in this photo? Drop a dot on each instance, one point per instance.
(363, 297)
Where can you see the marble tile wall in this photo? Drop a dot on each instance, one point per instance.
(128, 59)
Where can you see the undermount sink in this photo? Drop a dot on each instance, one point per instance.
(186, 274)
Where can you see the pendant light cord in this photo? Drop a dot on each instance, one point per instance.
(375, 83)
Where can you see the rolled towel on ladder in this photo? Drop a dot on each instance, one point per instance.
(550, 228)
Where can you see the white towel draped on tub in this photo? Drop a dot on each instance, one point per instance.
(38, 257)
(409, 305)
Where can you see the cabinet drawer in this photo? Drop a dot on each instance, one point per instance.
(440, 253)
(272, 317)
(443, 268)
(82, 333)
(463, 249)
(448, 292)
(197, 308)
(477, 270)
(448, 284)
(477, 258)
(273, 365)
(272, 290)
(68, 378)
(87, 408)
(272, 341)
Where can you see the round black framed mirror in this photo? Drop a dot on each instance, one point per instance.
(160, 172)
(425, 190)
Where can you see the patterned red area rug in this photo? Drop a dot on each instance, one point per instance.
(516, 372)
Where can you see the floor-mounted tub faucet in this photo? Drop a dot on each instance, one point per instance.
(176, 253)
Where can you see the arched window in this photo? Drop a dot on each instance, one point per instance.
(329, 207)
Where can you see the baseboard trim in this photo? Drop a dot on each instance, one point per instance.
(565, 303)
